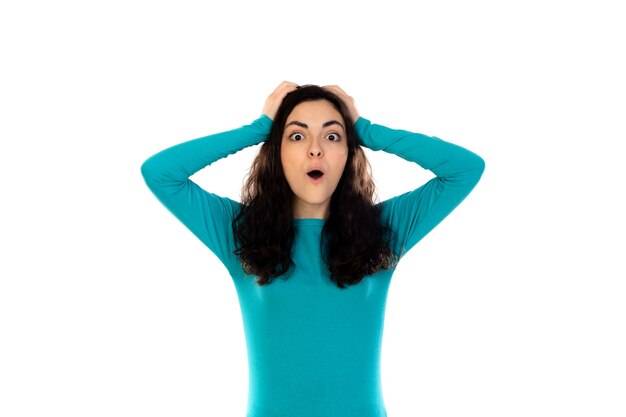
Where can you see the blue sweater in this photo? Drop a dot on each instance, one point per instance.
(313, 349)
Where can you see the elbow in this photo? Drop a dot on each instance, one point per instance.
(475, 168)
(149, 170)
(479, 168)
(480, 164)
(146, 169)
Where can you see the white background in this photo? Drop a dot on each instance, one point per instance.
(513, 306)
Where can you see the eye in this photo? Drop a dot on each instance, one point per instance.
(296, 136)
(334, 137)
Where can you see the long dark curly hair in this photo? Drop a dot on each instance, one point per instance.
(355, 242)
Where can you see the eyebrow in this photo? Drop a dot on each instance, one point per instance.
(304, 125)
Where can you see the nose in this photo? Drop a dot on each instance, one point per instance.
(315, 150)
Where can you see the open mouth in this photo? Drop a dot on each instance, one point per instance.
(315, 174)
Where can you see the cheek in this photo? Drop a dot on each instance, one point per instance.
(288, 161)
(342, 160)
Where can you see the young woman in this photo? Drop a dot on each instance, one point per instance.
(310, 253)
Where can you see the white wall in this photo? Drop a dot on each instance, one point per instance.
(513, 306)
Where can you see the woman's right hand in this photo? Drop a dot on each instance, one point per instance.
(276, 98)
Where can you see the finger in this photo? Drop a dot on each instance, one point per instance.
(333, 88)
(288, 84)
(286, 87)
(283, 89)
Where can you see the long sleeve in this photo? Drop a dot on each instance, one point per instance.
(414, 214)
(207, 215)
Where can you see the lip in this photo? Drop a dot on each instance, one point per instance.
(315, 167)
(315, 181)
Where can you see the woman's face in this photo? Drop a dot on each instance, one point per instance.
(314, 138)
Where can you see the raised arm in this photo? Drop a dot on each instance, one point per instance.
(207, 215)
(415, 213)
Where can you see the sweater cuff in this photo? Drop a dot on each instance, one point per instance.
(264, 122)
(361, 126)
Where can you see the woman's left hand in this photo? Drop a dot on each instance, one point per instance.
(348, 100)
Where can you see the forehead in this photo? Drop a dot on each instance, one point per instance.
(317, 110)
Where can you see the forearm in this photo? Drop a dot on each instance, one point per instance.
(444, 159)
(177, 163)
